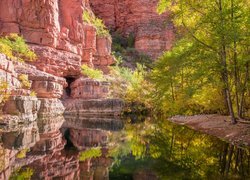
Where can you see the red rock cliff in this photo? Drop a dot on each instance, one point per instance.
(153, 33)
(55, 30)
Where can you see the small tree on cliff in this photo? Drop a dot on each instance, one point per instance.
(218, 34)
(89, 18)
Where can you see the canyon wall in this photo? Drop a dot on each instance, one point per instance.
(55, 30)
(57, 33)
(153, 33)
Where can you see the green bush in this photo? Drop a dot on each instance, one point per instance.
(24, 79)
(4, 92)
(90, 153)
(130, 85)
(14, 46)
(22, 174)
(22, 153)
(101, 29)
(92, 73)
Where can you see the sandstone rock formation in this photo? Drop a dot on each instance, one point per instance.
(57, 33)
(32, 116)
(153, 33)
(63, 42)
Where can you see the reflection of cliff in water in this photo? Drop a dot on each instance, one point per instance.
(105, 123)
(42, 145)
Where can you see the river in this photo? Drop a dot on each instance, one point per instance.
(114, 148)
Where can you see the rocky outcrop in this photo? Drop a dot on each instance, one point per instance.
(153, 33)
(50, 124)
(44, 101)
(45, 85)
(50, 108)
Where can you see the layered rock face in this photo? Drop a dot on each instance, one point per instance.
(153, 33)
(63, 42)
(55, 30)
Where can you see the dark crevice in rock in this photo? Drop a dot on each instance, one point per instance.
(69, 80)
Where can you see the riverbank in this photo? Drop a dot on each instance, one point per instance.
(217, 125)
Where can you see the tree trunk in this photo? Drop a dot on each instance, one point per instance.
(235, 54)
(229, 159)
(224, 159)
(223, 59)
(243, 91)
(236, 160)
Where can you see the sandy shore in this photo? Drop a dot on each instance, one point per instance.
(217, 125)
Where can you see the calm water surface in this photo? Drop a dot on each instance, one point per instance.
(111, 148)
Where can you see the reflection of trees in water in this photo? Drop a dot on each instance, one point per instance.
(177, 152)
(180, 151)
(234, 160)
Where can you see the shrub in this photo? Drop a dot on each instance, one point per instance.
(90, 153)
(101, 29)
(22, 174)
(25, 81)
(92, 73)
(14, 46)
(22, 153)
(130, 85)
(4, 92)
(33, 94)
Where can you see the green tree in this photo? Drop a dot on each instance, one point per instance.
(213, 51)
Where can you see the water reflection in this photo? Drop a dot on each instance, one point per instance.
(106, 148)
(181, 152)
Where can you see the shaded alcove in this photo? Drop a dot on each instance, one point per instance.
(69, 81)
